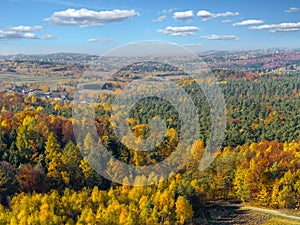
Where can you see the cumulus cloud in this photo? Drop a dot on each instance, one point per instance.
(278, 28)
(205, 15)
(292, 10)
(181, 16)
(179, 31)
(22, 32)
(87, 18)
(26, 28)
(99, 40)
(221, 38)
(248, 22)
(160, 18)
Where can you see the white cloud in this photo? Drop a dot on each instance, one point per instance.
(205, 15)
(46, 37)
(30, 36)
(292, 10)
(226, 21)
(179, 31)
(160, 18)
(163, 15)
(248, 22)
(221, 38)
(277, 28)
(26, 28)
(181, 16)
(167, 11)
(284, 30)
(100, 40)
(86, 18)
(22, 32)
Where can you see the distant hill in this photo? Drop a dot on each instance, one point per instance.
(55, 57)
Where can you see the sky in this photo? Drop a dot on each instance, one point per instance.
(96, 26)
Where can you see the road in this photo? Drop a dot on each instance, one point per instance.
(268, 211)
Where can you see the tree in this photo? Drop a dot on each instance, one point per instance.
(87, 217)
(24, 151)
(198, 150)
(125, 218)
(184, 211)
(31, 178)
(89, 144)
(164, 203)
(54, 162)
(91, 177)
(289, 190)
(8, 182)
(3, 147)
(240, 185)
(71, 158)
(67, 132)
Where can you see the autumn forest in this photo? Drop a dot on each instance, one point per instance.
(46, 179)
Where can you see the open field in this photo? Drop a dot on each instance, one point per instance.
(28, 78)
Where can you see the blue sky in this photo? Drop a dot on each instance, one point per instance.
(95, 26)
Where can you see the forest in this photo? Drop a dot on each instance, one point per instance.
(45, 179)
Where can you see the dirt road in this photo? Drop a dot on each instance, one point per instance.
(268, 211)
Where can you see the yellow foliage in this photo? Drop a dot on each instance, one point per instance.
(39, 108)
(197, 150)
(254, 126)
(184, 211)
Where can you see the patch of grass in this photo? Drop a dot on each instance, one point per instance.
(28, 78)
(292, 212)
(276, 220)
(281, 221)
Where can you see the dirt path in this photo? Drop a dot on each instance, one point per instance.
(268, 211)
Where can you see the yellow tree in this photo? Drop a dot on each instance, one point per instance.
(197, 150)
(184, 211)
(163, 204)
(87, 217)
(240, 185)
(54, 162)
(125, 218)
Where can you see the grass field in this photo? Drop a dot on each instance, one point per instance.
(21, 78)
(274, 220)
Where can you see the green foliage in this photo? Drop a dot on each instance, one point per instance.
(51, 182)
